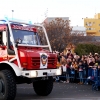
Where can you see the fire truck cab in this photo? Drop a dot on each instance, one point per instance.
(23, 59)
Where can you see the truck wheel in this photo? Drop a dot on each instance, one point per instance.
(7, 85)
(43, 87)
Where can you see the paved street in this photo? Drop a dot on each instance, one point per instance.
(61, 91)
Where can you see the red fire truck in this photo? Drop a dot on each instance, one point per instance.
(23, 59)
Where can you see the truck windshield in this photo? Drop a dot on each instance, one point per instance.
(26, 37)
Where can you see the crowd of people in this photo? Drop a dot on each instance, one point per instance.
(77, 68)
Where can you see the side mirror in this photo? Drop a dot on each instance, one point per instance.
(16, 44)
(18, 41)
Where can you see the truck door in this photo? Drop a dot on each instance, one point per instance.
(10, 48)
(3, 47)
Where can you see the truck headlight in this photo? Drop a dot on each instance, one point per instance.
(58, 72)
(33, 73)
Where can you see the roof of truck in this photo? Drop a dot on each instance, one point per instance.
(18, 27)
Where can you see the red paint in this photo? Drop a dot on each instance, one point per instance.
(26, 28)
(29, 56)
(2, 27)
(32, 57)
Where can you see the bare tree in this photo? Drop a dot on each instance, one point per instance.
(59, 32)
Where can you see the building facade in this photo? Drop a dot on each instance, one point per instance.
(92, 25)
(79, 30)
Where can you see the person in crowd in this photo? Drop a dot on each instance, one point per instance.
(68, 71)
(90, 54)
(63, 67)
(80, 69)
(75, 55)
(94, 72)
(76, 71)
(99, 70)
(73, 60)
(78, 58)
(72, 72)
(85, 70)
(64, 71)
(84, 66)
(94, 77)
(97, 60)
(82, 58)
(69, 54)
(91, 62)
(69, 61)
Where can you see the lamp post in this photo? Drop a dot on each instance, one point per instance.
(12, 13)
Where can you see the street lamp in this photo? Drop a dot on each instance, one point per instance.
(12, 13)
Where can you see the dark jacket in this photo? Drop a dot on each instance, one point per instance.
(80, 68)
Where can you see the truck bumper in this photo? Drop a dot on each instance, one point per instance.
(41, 73)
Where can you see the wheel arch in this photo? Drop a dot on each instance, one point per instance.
(11, 66)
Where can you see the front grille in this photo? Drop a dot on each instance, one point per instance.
(35, 61)
(51, 60)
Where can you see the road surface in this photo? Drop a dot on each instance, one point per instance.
(61, 91)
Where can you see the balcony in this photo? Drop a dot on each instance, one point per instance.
(91, 31)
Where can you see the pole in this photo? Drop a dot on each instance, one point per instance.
(12, 13)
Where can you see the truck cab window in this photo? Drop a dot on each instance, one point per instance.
(4, 38)
(25, 37)
(10, 46)
(1, 39)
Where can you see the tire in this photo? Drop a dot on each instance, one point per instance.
(43, 87)
(7, 85)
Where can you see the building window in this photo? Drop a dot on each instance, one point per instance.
(92, 28)
(89, 28)
(89, 24)
(99, 24)
(86, 28)
(99, 30)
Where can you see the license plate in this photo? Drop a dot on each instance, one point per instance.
(50, 74)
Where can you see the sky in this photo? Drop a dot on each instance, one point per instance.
(38, 10)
